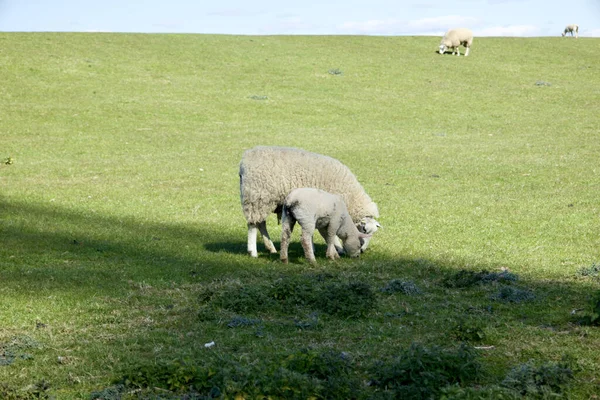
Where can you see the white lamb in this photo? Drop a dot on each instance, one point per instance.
(573, 28)
(268, 174)
(317, 209)
(456, 37)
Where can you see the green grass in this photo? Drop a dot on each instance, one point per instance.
(122, 242)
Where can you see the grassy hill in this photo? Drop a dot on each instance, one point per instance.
(122, 242)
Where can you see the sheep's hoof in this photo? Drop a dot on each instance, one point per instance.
(284, 260)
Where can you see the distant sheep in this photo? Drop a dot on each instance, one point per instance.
(326, 212)
(456, 37)
(573, 28)
(268, 174)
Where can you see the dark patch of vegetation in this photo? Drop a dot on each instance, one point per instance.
(352, 299)
(465, 278)
(313, 292)
(400, 286)
(38, 390)
(335, 71)
(258, 97)
(591, 271)
(469, 330)
(246, 299)
(511, 294)
(421, 372)
(110, 393)
(237, 322)
(543, 381)
(593, 317)
(16, 349)
(417, 373)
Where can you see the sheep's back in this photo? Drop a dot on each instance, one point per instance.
(268, 174)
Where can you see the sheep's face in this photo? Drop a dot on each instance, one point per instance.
(367, 226)
(442, 49)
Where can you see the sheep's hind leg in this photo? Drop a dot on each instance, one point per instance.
(252, 232)
(307, 244)
(262, 227)
(467, 52)
(287, 227)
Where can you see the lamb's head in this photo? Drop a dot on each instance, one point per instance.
(354, 243)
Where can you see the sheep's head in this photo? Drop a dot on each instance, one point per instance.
(442, 48)
(367, 227)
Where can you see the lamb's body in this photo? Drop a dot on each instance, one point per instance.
(454, 38)
(268, 174)
(573, 28)
(326, 212)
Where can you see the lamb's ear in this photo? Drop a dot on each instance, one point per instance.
(364, 235)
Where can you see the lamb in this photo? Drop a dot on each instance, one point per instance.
(454, 38)
(573, 28)
(314, 208)
(268, 174)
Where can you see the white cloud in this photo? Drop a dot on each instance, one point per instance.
(423, 26)
(590, 32)
(509, 30)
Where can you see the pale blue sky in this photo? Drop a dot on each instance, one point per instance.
(312, 17)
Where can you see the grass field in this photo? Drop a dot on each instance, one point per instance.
(122, 241)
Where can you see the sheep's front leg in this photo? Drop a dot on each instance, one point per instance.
(252, 232)
(467, 52)
(262, 226)
(307, 244)
(287, 227)
(458, 51)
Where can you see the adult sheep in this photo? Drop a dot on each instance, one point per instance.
(573, 28)
(456, 37)
(268, 174)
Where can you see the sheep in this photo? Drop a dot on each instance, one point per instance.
(570, 29)
(268, 174)
(314, 208)
(454, 38)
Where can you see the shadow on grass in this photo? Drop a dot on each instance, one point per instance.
(46, 248)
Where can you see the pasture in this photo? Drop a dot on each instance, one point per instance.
(123, 244)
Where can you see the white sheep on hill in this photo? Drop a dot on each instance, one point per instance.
(456, 37)
(326, 212)
(573, 28)
(268, 174)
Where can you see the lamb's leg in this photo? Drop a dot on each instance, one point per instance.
(262, 227)
(307, 244)
(252, 231)
(287, 227)
(467, 52)
(332, 251)
(338, 246)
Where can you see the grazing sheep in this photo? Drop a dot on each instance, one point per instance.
(454, 38)
(317, 209)
(573, 28)
(268, 174)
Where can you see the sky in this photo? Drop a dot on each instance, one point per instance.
(306, 17)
